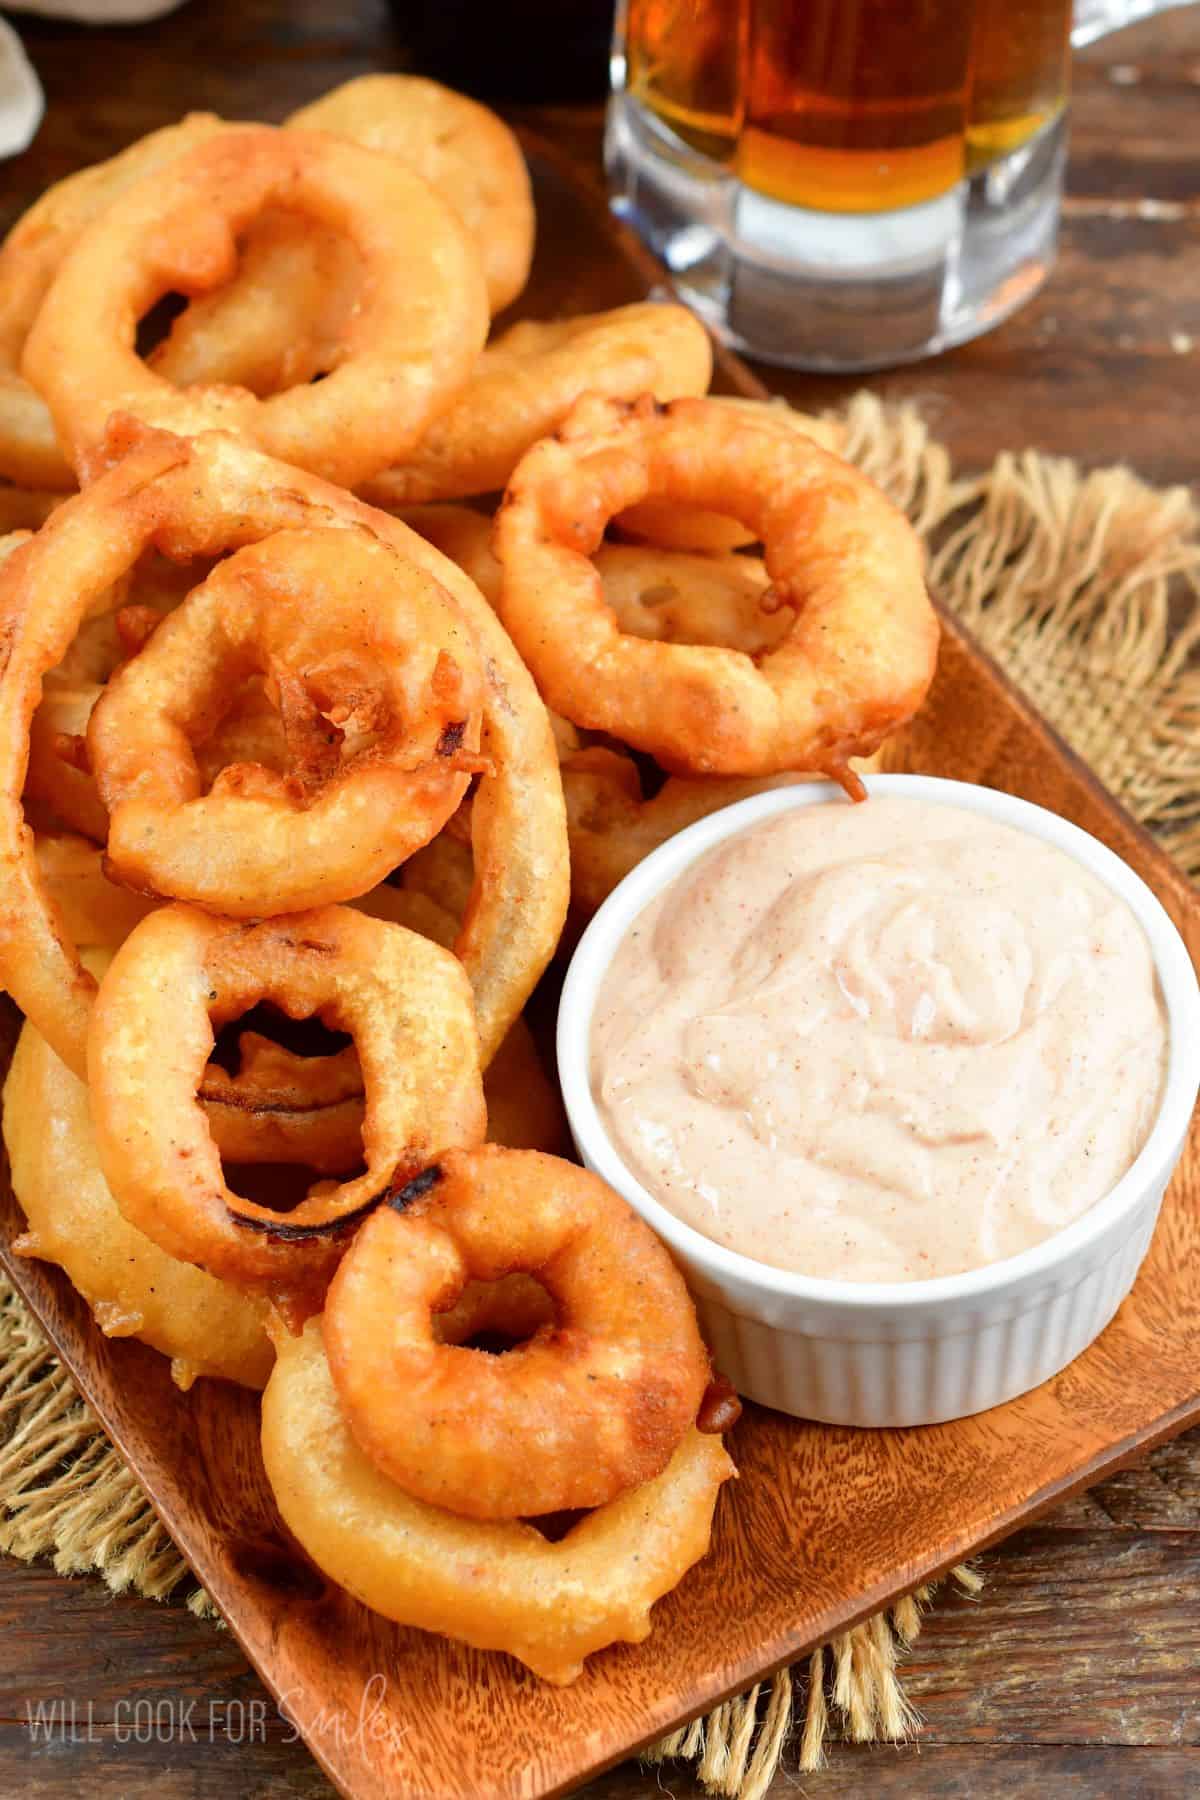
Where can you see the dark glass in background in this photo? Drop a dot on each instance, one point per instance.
(522, 50)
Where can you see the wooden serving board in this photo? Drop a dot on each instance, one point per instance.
(825, 1525)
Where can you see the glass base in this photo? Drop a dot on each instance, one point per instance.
(838, 291)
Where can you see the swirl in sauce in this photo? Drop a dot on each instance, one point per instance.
(880, 1042)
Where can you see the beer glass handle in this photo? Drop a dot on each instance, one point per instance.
(1096, 18)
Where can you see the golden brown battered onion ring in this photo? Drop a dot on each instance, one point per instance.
(408, 345)
(30, 258)
(133, 1288)
(271, 325)
(495, 1585)
(526, 382)
(407, 1005)
(199, 497)
(859, 656)
(380, 694)
(588, 1407)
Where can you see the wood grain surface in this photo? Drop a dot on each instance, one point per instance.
(1076, 1675)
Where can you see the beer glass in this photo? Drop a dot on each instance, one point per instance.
(845, 184)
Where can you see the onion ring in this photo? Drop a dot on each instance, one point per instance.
(409, 344)
(30, 258)
(526, 382)
(133, 1288)
(381, 697)
(861, 651)
(258, 332)
(198, 497)
(586, 1409)
(406, 1003)
(497, 1586)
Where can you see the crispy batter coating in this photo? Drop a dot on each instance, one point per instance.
(591, 1405)
(405, 349)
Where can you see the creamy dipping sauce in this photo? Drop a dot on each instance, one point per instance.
(880, 1042)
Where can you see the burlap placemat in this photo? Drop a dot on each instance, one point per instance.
(1086, 587)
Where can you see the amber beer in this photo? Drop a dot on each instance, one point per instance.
(851, 106)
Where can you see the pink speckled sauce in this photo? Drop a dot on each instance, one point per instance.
(880, 1042)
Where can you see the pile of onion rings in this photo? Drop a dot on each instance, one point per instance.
(298, 785)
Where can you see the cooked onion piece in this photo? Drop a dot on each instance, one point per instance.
(526, 382)
(59, 776)
(271, 326)
(844, 562)
(30, 258)
(408, 344)
(497, 1585)
(590, 1406)
(279, 323)
(676, 525)
(380, 693)
(197, 498)
(134, 1289)
(459, 147)
(405, 1002)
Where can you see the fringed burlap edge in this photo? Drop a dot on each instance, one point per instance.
(1086, 588)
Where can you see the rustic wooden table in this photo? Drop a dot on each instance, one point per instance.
(1078, 1673)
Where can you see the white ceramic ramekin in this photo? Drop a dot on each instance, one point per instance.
(901, 1353)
